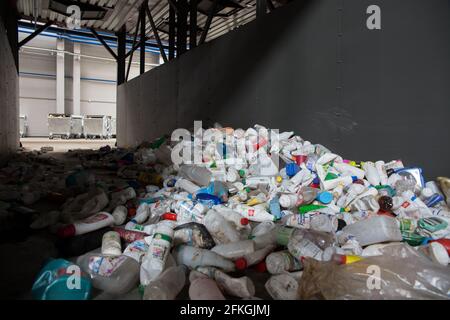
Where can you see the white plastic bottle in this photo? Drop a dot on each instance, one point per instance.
(242, 287)
(159, 248)
(234, 250)
(282, 262)
(220, 228)
(253, 258)
(376, 229)
(349, 170)
(379, 165)
(205, 289)
(95, 222)
(111, 244)
(333, 183)
(167, 285)
(120, 215)
(371, 173)
(187, 185)
(142, 213)
(308, 243)
(196, 257)
(232, 216)
(189, 211)
(255, 213)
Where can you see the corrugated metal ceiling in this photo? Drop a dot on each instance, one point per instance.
(120, 12)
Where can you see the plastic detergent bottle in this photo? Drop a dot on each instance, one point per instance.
(232, 216)
(159, 248)
(120, 215)
(147, 229)
(56, 281)
(255, 213)
(142, 213)
(196, 257)
(95, 222)
(167, 285)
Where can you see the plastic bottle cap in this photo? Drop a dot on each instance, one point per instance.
(66, 231)
(279, 179)
(325, 197)
(439, 253)
(169, 216)
(292, 169)
(244, 221)
(261, 267)
(241, 264)
(427, 192)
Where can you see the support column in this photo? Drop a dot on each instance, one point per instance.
(182, 26)
(261, 8)
(121, 48)
(60, 74)
(172, 22)
(76, 109)
(143, 25)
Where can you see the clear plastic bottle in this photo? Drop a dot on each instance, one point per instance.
(376, 229)
(309, 243)
(196, 257)
(234, 250)
(282, 262)
(167, 285)
(198, 175)
(189, 211)
(113, 274)
(187, 185)
(221, 229)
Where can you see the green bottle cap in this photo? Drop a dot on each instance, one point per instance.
(241, 173)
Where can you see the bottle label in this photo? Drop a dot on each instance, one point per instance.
(306, 248)
(162, 236)
(105, 266)
(136, 250)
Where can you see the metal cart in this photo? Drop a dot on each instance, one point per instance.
(59, 125)
(23, 126)
(77, 130)
(97, 127)
(113, 127)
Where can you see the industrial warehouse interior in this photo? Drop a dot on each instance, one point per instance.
(245, 150)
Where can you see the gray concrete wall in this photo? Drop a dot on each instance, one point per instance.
(9, 98)
(314, 67)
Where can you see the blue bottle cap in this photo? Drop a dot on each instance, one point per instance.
(325, 197)
(292, 169)
(316, 180)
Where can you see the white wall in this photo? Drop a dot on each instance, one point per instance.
(98, 87)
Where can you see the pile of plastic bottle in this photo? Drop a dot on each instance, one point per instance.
(196, 225)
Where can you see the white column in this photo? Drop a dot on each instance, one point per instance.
(60, 76)
(76, 79)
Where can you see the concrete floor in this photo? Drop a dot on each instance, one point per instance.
(63, 145)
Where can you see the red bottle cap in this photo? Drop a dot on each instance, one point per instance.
(299, 159)
(244, 221)
(241, 264)
(261, 267)
(66, 231)
(169, 216)
(131, 212)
